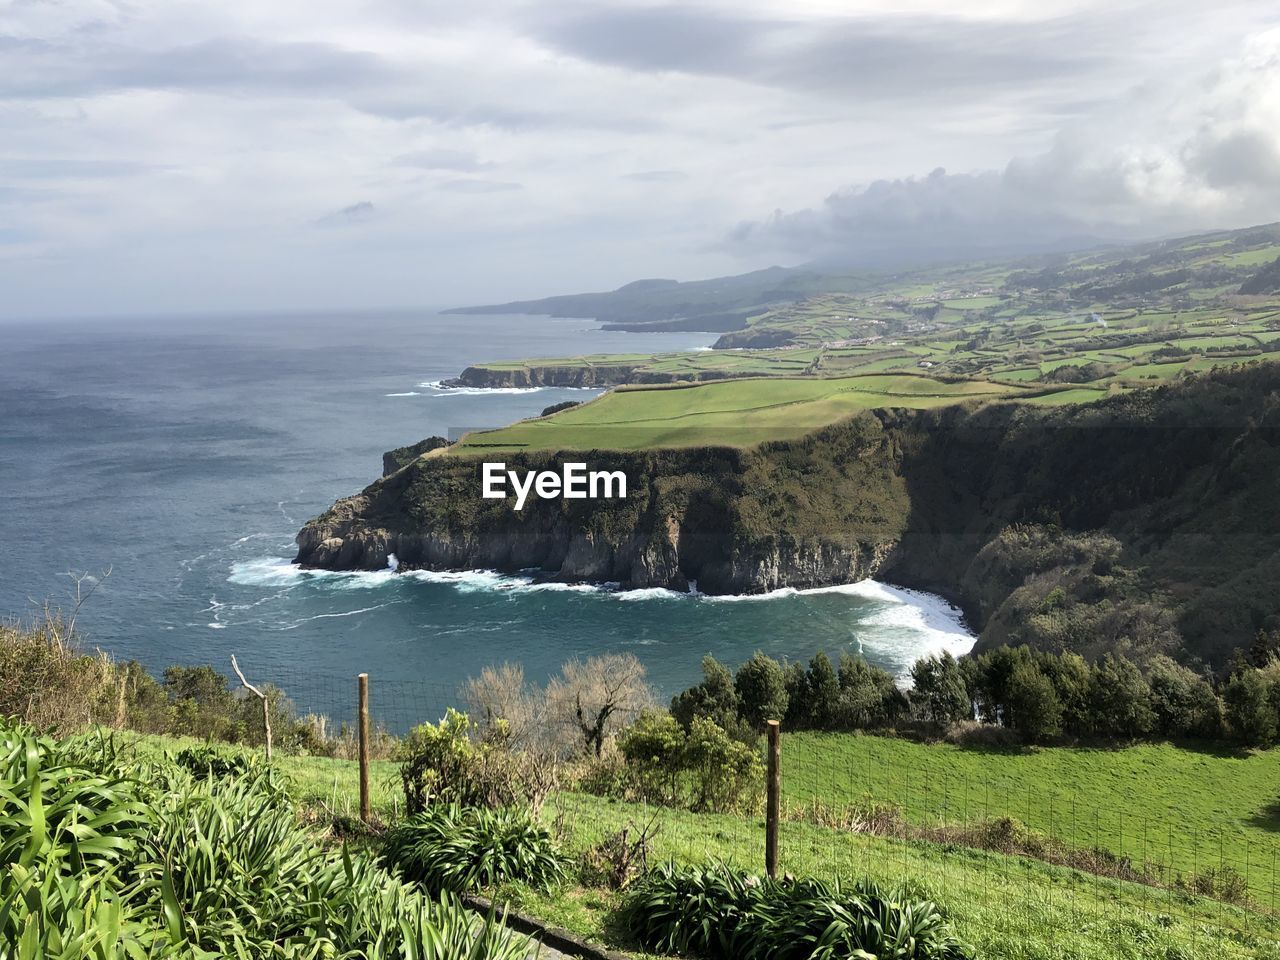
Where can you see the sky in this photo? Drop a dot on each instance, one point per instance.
(174, 155)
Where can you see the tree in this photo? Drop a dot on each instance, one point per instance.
(714, 698)
(1120, 699)
(1265, 647)
(1184, 703)
(824, 692)
(1035, 711)
(996, 670)
(1251, 715)
(796, 683)
(500, 695)
(598, 697)
(762, 690)
(939, 690)
(653, 748)
(869, 696)
(1069, 675)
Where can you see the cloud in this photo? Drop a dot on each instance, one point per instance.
(882, 56)
(476, 185)
(360, 212)
(153, 150)
(1164, 159)
(656, 176)
(441, 158)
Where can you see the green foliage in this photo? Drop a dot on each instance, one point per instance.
(450, 762)
(1119, 700)
(207, 761)
(714, 698)
(1250, 712)
(448, 847)
(109, 858)
(762, 690)
(1035, 711)
(939, 690)
(701, 769)
(716, 912)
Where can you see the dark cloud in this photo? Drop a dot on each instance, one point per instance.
(884, 57)
(1167, 158)
(476, 185)
(355, 213)
(913, 218)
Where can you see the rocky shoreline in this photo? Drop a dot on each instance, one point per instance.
(1113, 493)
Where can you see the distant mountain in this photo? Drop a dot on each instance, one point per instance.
(1093, 272)
(722, 303)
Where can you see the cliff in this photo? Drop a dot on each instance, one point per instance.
(1144, 522)
(572, 375)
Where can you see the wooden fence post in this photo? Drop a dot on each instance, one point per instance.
(773, 801)
(266, 704)
(363, 685)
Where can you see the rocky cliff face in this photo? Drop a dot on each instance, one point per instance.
(535, 375)
(1149, 518)
(694, 516)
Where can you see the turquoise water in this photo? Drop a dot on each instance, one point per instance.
(185, 453)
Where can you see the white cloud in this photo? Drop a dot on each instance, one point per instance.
(158, 155)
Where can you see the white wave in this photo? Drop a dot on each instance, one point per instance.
(329, 616)
(443, 391)
(653, 593)
(410, 393)
(216, 626)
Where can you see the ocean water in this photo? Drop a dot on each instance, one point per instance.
(184, 453)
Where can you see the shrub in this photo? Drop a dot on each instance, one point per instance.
(653, 748)
(703, 770)
(207, 761)
(449, 762)
(716, 912)
(466, 848)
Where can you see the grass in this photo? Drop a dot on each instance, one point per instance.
(1183, 809)
(735, 412)
(1008, 907)
(1011, 908)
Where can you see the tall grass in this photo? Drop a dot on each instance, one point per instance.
(103, 856)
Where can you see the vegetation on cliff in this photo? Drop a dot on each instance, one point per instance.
(1148, 516)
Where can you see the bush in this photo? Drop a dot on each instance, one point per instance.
(467, 848)
(716, 912)
(449, 763)
(703, 770)
(209, 762)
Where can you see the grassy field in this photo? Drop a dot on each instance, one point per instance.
(1010, 907)
(1182, 809)
(1124, 321)
(735, 412)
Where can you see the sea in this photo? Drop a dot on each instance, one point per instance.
(172, 459)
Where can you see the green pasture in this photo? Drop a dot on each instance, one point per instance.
(729, 412)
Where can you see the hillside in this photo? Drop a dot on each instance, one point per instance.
(811, 305)
(1149, 513)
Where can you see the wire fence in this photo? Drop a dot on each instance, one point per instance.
(1025, 860)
